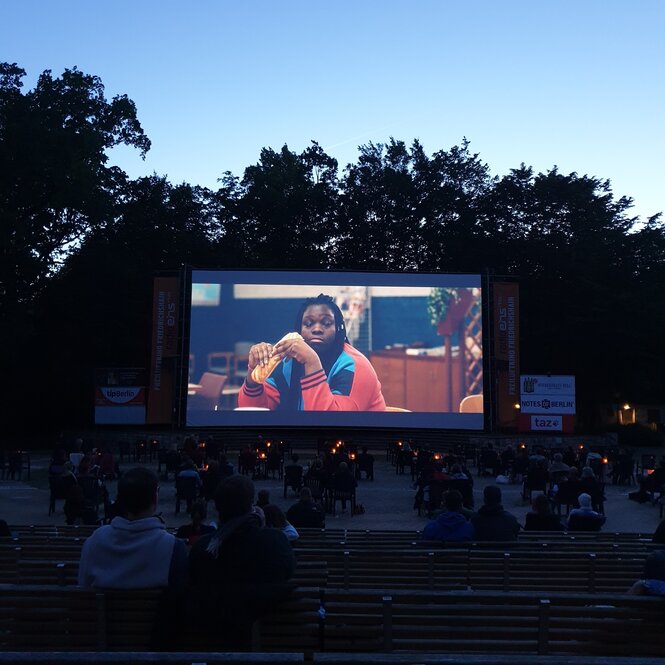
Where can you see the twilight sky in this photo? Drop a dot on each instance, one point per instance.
(575, 83)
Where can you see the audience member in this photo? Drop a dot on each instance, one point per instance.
(659, 534)
(77, 454)
(293, 474)
(492, 522)
(365, 463)
(451, 525)
(263, 498)
(557, 469)
(344, 483)
(190, 533)
(589, 484)
(306, 513)
(134, 551)
(653, 583)
(240, 571)
(275, 519)
(226, 469)
(541, 517)
(211, 478)
(189, 470)
(585, 518)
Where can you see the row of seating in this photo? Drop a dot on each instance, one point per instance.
(318, 620)
(489, 569)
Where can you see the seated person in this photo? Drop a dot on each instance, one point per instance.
(343, 482)
(451, 525)
(134, 551)
(659, 534)
(225, 467)
(653, 582)
(590, 485)
(585, 518)
(189, 470)
(456, 473)
(293, 474)
(365, 463)
(541, 517)
(275, 519)
(263, 498)
(240, 571)
(306, 513)
(211, 478)
(5, 531)
(557, 469)
(492, 522)
(190, 533)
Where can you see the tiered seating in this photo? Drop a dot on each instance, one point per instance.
(369, 592)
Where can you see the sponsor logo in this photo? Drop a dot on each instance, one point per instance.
(546, 423)
(529, 385)
(120, 395)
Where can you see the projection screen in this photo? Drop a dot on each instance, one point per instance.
(377, 350)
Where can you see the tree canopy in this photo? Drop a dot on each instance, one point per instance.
(80, 241)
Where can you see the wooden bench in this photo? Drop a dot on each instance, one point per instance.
(138, 658)
(492, 622)
(470, 659)
(492, 570)
(343, 538)
(44, 618)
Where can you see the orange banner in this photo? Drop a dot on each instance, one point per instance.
(506, 351)
(165, 317)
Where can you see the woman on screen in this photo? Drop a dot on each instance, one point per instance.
(315, 369)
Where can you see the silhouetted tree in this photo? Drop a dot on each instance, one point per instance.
(280, 214)
(80, 243)
(404, 211)
(102, 297)
(55, 184)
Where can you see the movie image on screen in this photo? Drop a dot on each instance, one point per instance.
(335, 349)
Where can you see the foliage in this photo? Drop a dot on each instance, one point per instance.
(438, 303)
(55, 185)
(80, 241)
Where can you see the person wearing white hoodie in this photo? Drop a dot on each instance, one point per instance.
(134, 551)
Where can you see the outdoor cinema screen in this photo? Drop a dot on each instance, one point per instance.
(375, 350)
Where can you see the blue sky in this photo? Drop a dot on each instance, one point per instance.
(575, 83)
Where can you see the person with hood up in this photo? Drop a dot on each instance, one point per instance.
(492, 522)
(450, 525)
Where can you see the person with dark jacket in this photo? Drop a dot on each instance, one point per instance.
(240, 571)
(450, 525)
(492, 522)
(541, 518)
(306, 513)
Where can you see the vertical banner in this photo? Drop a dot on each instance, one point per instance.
(506, 351)
(165, 315)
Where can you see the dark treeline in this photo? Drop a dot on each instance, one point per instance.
(80, 243)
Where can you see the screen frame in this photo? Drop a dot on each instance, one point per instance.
(345, 420)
